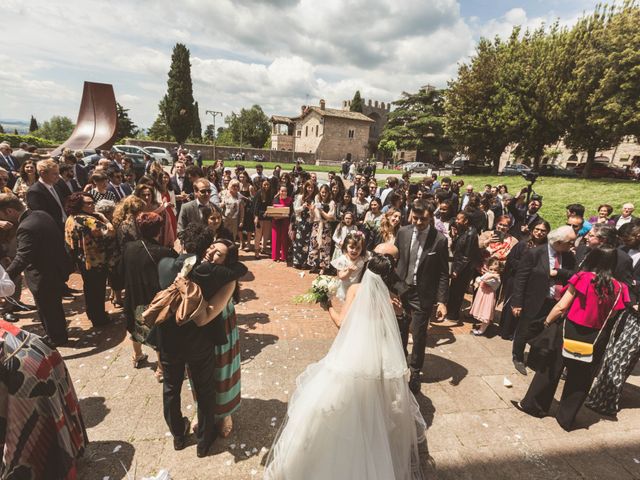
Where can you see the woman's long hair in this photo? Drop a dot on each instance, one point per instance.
(602, 261)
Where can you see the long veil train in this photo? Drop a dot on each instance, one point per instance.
(352, 415)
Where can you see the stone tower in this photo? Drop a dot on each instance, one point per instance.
(376, 111)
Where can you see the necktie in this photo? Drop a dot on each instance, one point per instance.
(557, 289)
(413, 257)
(57, 198)
(120, 194)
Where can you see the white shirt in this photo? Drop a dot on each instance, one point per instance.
(552, 266)
(622, 220)
(417, 235)
(635, 256)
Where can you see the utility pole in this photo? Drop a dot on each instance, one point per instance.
(214, 114)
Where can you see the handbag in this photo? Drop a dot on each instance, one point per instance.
(578, 349)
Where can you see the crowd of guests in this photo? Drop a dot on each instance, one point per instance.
(131, 233)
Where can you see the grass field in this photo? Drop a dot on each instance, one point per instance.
(289, 166)
(559, 192)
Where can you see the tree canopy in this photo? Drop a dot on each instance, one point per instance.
(178, 102)
(249, 127)
(57, 129)
(417, 123)
(357, 103)
(126, 127)
(33, 124)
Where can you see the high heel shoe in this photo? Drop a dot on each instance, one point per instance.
(138, 361)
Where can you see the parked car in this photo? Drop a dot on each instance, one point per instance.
(462, 166)
(137, 159)
(515, 169)
(417, 167)
(602, 170)
(556, 171)
(129, 150)
(162, 155)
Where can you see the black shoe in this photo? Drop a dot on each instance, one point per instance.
(203, 450)
(414, 382)
(520, 366)
(519, 406)
(23, 307)
(180, 442)
(10, 317)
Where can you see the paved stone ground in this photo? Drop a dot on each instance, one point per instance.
(474, 431)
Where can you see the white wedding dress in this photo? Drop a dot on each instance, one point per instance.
(352, 415)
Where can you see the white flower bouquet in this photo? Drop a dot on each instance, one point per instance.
(322, 288)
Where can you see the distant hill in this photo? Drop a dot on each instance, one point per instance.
(10, 124)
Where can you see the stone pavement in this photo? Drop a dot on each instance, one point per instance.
(474, 431)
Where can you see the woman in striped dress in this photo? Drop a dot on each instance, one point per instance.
(227, 356)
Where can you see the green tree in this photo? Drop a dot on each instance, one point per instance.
(160, 129)
(15, 131)
(126, 127)
(476, 118)
(249, 127)
(1, 128)
(583, 102)
(209, 134)
(196, 134)
(387, 147)
(179, 106)
(225, 138)
(357, 103)
(33, 124)
(417, 123)
(57, 129)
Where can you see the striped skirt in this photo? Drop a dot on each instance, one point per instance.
(227, 367)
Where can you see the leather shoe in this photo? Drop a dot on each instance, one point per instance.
(520, 366)
(180, 442)
(202, 450)
(10, 317)
(414, 382)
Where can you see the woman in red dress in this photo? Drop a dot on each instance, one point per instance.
(280, 227)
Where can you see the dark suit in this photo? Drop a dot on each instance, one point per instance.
(624, 265)
(466, 256)
(432, 285)
(521, 218)
(42, 256)
(634, 286)
(39, 198)
(80, 174)
(531, 292)
(5, 162)
(126, 190)
(187, 187)
(614, 219)
(191, 212)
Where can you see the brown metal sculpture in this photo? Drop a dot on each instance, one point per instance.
(97, 124)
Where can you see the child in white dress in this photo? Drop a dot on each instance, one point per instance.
(350, 264)
(346, 226)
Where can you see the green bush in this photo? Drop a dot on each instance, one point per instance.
(16, 140)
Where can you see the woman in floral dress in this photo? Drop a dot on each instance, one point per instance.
(301, 209)
(323, 212)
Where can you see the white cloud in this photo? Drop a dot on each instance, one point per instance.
(279, 54)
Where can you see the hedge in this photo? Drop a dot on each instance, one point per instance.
(16, 140)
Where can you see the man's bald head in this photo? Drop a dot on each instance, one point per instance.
(387, 249)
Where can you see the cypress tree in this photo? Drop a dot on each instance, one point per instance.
(179, 98)
(197, 126)
(357, 103)
(33, 125)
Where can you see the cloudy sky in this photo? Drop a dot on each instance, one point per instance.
(279, 54)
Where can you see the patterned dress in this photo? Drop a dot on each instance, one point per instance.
(302, 234)
(321, 242)
(621, 356)
(227, 366)
(41, 424)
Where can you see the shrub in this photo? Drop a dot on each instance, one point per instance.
(16, 140)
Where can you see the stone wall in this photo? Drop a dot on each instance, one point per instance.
(311, 133)
(336, 143)
(211, 152)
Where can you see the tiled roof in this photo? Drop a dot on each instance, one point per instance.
(334, 112)
(281, 119)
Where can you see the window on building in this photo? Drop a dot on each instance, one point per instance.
(298, 133)
(306, 130)
(317, 126)
(352, 133)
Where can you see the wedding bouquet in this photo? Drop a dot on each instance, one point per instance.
(322, 288)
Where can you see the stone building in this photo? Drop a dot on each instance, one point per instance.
(329, 133)
(379, 113)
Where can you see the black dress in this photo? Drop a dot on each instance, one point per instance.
(139, 269)
(248, 225)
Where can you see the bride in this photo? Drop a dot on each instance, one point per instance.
(352, 415)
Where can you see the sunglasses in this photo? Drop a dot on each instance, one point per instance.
(205, 191)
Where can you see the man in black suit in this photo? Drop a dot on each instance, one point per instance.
(182, 186)
(116, 185)
(466, 257)
(524, 216)
(542, 273)
(42, 256)
(446, 193)
(67, 176)
(48, 194)
(79, 172)
(9, 163)
(423, 270)
(630, 236)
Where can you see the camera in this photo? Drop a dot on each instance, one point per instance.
(531, 177)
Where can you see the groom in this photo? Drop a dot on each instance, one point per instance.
(423, 270)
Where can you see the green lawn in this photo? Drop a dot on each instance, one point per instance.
(289, 166)
(559, 192)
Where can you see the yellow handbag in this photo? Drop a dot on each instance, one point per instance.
(578, 349)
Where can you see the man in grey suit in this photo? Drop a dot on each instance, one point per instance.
(423, 271)
(205, 197)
